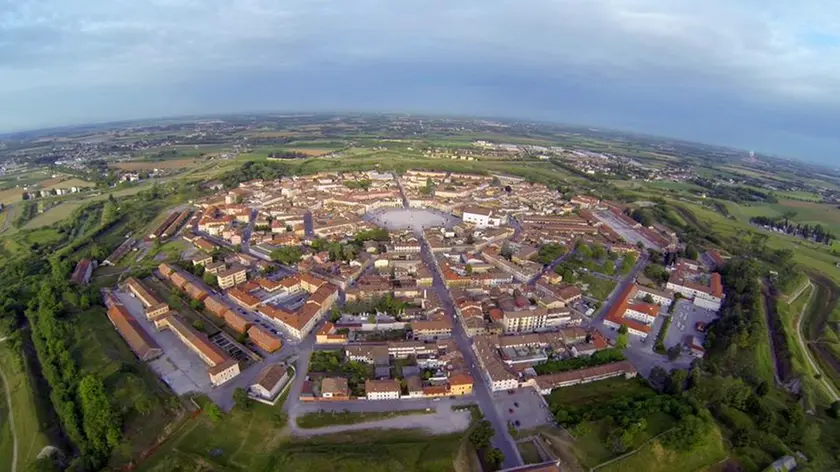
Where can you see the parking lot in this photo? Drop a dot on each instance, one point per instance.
(525, 406)
(226, 344)
(684, 321)
(179, 367)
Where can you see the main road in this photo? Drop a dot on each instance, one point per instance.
(481, 390)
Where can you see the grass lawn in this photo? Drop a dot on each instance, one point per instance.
(27, 424)
(146, 404)
(598, 288)
(321, 419)
(53, 215)
(530, 453)
(257, 440)
(813, 391)
(596, 392)
(763, 355)
(655, 458)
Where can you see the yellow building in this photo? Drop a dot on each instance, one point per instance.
(460, 384)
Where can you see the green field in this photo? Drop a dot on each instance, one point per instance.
(807, 212)
(29, 435)
(53, 215)
(257, 439)
(595, 392)
(653, 457)
(146, 403)
(810, 255)
(598, 288)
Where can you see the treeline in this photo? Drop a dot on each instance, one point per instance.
(730, 383)
(252, 170)
(735, 193)
(287, 155)
(37, 302)
(739, 322)
(25, 212)
(811, 232)
(84, 409)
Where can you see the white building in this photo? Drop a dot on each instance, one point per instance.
(269, 383)
(482, 217)
(382, 389)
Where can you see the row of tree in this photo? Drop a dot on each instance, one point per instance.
(803, 230)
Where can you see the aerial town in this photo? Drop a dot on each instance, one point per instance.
(421, 285)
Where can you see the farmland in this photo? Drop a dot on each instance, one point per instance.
(169, 164)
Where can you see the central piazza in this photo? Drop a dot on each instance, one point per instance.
(416, 219)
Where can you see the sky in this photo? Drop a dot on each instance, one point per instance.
(755, 74)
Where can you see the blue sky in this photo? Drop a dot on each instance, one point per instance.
(761, 75)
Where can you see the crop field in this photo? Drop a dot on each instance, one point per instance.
(10, 195)
(63, 182)
(810, 255)
(53, 215)
(151, 165)
(806, 212)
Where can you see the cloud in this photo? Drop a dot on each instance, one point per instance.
(772, 55)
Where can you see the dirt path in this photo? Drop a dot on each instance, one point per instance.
(11, 418)
(800, 339)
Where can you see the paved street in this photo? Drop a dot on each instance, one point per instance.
(481, 389)
(619, 287)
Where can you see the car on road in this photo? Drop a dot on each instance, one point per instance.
(516, 404)
(517, 423)
(510, 410)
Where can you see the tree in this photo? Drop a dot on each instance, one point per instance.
(481, 434)
(623, 329)
(691, 252)
(609, 268)
(621, 342)
(674, 352)
(762, 389)
(196, 305)
(468, 269)
(213, 411)
(240, 397)
(687, 434)
(494, 457)
(101, 424)
(335, 314)
(198, 325)
(209, 279)
(834, 410)
(289, 255)
(647, 298)
(676, 382)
